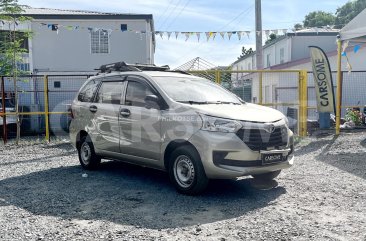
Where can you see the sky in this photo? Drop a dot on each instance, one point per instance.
(202, 16)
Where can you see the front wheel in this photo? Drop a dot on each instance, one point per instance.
(186, 171)
(267, 176)
(87, 157)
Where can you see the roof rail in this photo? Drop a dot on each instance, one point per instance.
(123, 66)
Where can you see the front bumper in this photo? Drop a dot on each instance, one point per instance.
(225, 156)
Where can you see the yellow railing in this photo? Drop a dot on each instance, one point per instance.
(219, 77)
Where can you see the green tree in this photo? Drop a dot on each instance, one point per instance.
(298, 26)
(245, 52)
(272, 37)
(318, 19)
(12, 46)
(348, 11)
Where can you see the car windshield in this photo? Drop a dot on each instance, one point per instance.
(195, 91)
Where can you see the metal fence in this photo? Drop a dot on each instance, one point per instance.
(44, 100)
(43, 104)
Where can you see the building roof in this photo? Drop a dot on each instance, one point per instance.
(49, 13)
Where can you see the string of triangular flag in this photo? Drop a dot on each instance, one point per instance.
(166, 34)
(356, 48)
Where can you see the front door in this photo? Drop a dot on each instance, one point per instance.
(139, 124)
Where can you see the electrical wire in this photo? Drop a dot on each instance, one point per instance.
(165, 10)
(170, 14)
(176, 16)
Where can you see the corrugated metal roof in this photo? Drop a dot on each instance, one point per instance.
(50, 13)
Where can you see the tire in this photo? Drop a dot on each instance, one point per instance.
(186, 171)
(87, 157)
(267, 176)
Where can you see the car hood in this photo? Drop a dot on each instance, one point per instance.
(244, 112)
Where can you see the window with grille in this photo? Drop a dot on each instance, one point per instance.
(99, 42)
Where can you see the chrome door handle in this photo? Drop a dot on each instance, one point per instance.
(93, 109)
(125, 112)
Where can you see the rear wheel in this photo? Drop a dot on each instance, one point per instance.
(267, 176)
(186, 171)
(87, 157)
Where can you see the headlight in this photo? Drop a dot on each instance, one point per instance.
(216, 124)
(286, 121)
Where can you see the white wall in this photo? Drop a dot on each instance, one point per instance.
(69, 50)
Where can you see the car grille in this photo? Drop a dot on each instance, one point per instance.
(259, 139)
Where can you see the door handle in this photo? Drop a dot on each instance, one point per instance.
(125, 112)
(93, 109)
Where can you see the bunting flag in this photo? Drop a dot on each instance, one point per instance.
(161, 33)
(213, 34)
(356, 48)
(229, 34)
(187, 34)
(248, 33)
(267, 33)
(209, 34)
(198, 34)
(239, 35)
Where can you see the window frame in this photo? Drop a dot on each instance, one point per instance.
(100, 89)
(100, 31)
(99, 80)
(136, 78)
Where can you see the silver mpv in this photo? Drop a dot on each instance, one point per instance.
(188, 126)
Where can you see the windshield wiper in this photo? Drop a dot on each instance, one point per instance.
(227, 102)
(192, 102)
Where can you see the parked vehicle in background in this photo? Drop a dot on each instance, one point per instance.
(10, 119)
(188, 126)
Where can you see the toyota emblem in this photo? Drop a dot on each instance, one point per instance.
(269, 128)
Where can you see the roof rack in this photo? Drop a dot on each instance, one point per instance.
(123, 66)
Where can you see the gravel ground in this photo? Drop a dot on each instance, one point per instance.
(44, 196)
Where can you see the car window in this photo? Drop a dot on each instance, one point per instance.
(110, 93)
(136, 93)
(87, 92)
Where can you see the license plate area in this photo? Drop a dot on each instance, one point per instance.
(271, 158)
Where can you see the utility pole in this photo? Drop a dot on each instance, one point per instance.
(258, 34)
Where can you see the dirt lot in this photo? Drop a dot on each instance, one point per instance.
(44, 196)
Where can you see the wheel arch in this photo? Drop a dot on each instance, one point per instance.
(79, 136)
(173, 145)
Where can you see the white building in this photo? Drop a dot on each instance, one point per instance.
(80, 41)
(279, 54)
(67, 43)
(291, 52)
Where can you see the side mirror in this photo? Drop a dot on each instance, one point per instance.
(152, 101)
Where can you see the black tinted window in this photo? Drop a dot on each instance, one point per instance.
(110, 93)
(136, 93)
(87, 93)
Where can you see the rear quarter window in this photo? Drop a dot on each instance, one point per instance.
(86, 94)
